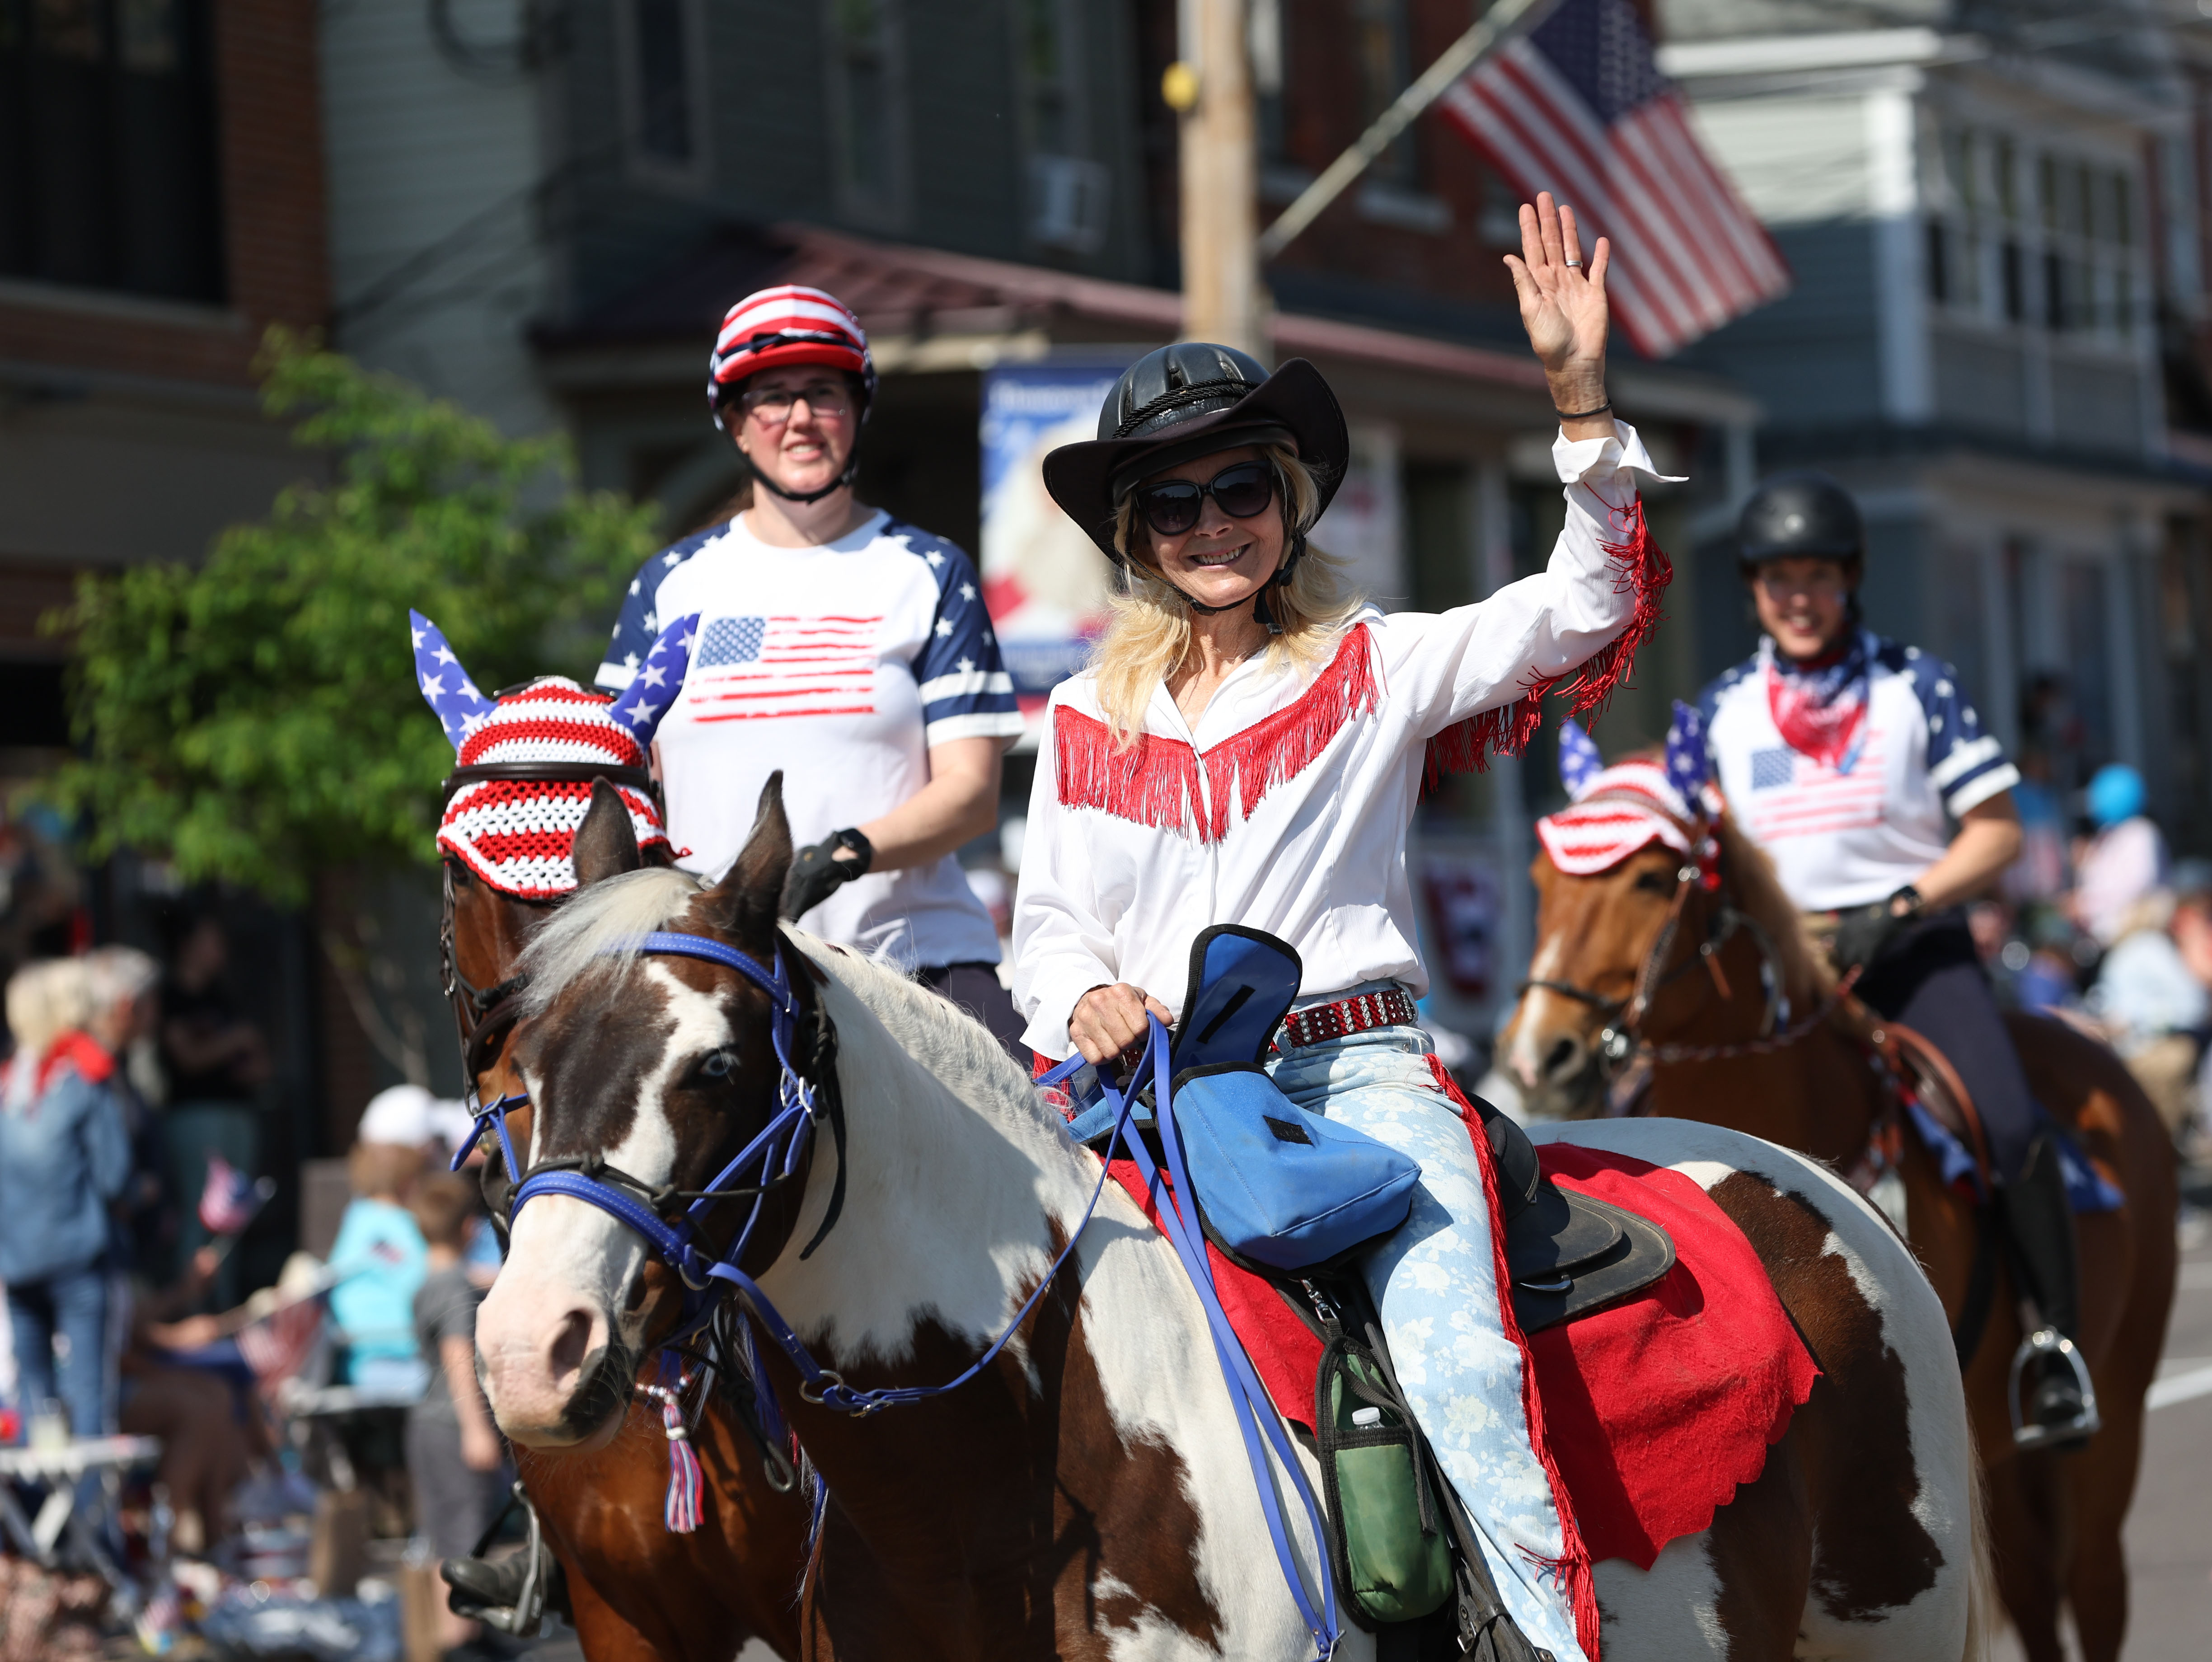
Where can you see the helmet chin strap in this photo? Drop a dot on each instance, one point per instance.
(852, 469)
(1262, 614)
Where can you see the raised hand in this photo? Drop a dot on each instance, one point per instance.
(1563, 304)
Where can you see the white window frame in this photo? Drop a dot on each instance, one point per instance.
(887, 208)
(694, 174)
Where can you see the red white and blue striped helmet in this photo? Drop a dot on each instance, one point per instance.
(779, 327)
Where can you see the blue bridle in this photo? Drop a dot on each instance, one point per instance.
(777, 1152)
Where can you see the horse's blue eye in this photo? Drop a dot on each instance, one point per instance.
(718, 1064)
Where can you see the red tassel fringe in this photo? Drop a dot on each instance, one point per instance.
(1641, 568)
(1156, 782)
(1572, 1566)
(1287, 742)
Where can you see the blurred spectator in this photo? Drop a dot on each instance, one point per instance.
(123, 984)
(2046, 977)
(215, 1061)
(185, 1381)
(64, 1155)
(454, 1455)
(2039, 873)
(2154, 1004)
(379, 1246)
(2120, 867)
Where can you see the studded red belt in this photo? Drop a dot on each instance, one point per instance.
(1316, 1023)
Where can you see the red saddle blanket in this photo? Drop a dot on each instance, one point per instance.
(1654, 1409)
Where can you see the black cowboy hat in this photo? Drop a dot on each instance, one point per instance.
(1191, 399)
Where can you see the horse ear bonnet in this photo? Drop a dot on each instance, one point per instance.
(1688, 763)
(1579, 760)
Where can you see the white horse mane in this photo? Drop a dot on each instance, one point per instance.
(593, 926)
(940, 1036)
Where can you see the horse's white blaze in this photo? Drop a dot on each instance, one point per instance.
(1887, 1275)
(1525, 1058)
(565, 1255)
(1669, 1613)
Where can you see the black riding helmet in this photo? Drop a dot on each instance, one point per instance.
(1191, 399)
(1801, 515)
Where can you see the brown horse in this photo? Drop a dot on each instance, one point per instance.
(639, 1592)
(2056, 1518)
(1086, 1495)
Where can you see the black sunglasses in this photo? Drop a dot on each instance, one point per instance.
(1243, 489)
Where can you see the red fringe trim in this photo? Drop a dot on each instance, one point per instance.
(1285, 745)
(1572, 1566)
(1156, 782)
(1641, 568)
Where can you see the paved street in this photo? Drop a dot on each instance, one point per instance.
(2169, 1529)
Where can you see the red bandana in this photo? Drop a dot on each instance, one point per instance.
(1819, 708)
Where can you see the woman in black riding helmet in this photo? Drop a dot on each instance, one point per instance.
(1847, 757)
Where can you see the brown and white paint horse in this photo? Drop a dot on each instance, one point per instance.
(639, 1592)
(1087, 1496)
(2056, 1518)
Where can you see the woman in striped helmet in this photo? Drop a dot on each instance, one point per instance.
(834, 642)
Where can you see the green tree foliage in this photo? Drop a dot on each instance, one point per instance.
(255, 719)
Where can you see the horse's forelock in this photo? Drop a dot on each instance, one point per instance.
(595, 927)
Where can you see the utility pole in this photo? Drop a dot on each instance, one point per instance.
(1210, 90)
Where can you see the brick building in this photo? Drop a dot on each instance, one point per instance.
(161, 203)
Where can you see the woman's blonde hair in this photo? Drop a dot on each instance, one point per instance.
(1150, 634)
(45, 1000)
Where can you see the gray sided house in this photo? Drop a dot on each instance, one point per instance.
(1995, 233)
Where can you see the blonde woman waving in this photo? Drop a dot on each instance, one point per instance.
(1248, 747)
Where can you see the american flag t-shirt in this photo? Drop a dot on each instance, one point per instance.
(756, 669)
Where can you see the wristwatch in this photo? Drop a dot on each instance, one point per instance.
(1914, 904)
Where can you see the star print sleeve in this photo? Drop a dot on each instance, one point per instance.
(965, 690)
(634, 628)
(1966, 765)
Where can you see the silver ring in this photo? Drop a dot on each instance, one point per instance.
(1572, 264)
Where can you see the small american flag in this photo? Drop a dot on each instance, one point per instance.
(753, 669)
(1577, 107)
(276, 1347)
(230, 1200)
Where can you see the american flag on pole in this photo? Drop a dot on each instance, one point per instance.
(230, 1199)
(1577, 107)
(754, 669)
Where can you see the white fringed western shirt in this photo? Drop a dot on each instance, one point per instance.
(1285, 806)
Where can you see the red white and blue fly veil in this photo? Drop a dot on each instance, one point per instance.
(517, 834)
(1612, 812)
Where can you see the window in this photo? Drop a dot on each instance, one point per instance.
(107, 156)
(1069, 193)
(663, 56)
(1385, 49)
(2045, 240)
(867, 101)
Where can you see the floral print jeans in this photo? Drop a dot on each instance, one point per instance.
(1436, 1284)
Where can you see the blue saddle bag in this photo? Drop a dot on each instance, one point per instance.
(1277, 1188)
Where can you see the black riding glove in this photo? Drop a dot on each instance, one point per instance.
(816, 872)
(1864, 931)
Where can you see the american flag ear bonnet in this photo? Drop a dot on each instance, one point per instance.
(1612, 812)
(780, 327)
(519, 836)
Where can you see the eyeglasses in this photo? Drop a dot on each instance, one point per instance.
(1243, 490)
(773, 404)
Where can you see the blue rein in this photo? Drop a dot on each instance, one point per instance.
(708, 1277)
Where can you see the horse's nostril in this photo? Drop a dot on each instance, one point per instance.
(571, 1344)
(1563, 1058)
